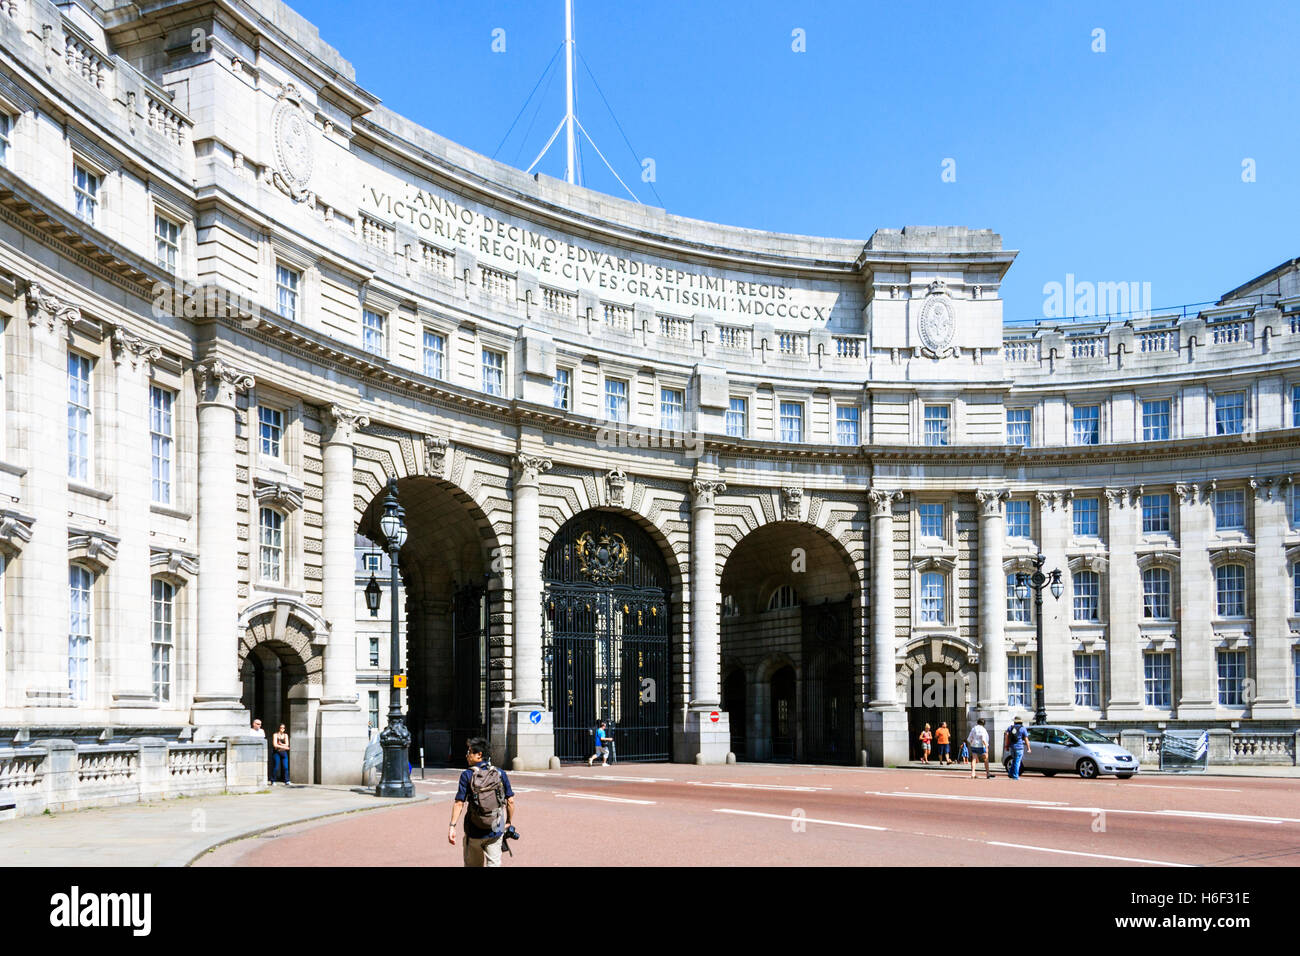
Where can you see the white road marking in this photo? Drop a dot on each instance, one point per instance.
(593, 778)
(787, 816)
(954, 796)
(1195, 814)
(534, 773)
(754, 786)
(1161, 786)
(1095, 856)
(601, 796)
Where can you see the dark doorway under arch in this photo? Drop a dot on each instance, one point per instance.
(783, 714)
(734, 703)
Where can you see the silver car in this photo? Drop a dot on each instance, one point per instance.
(1054, 749)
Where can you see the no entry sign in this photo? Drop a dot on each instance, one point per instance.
(714, 716)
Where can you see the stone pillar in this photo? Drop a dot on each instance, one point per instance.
(530, 730)
(38, 610)
(1122, 697)
(992, 699)
(705, 739)
(1273, 594)
(884, 722)
(130, 643)
(217, 709)
(341, 735)
(1056, 522)
(1194, 665)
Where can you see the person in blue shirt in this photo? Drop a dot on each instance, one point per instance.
(482, 845)
(1017, 744)
(602, 745)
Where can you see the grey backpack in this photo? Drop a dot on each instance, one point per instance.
(487, 797)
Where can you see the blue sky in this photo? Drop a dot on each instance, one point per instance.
(1123, 165)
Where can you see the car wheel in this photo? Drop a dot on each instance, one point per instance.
(1123, 776)
(1049, 773)
(1087, 769)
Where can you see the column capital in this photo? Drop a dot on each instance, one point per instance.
(703, 491)
(132, 351)
(341, 424)
(219, 383)
(882, 501)
(990, 500)
(528, 468)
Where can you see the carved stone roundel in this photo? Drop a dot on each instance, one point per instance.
(294, 143)
(938, 323)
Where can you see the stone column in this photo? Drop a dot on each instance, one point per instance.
(530, 732)
(705, 740)
(1272, 603)
(884, 722)
(341, 737)
(992, 699)
(217, 709)
(1194, 665)
(38, 611)
(130, 643)
(1122, 698)
(1058, 646)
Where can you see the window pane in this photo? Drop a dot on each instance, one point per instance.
(1155, 514)
(163, 617)
(615, 400)
(160, 441)
(1230, 586)
(932, 597)
(931, 520)
(672, 409)
(1020, 680)
(270, 429)
(1232, 676)
(560, 388)
(494, 372)
(737, 418)
(78, 417)
(1157, 590)
(1017, 607)
(936, 424)
(1018, 519)
(1158, 678)
(1018, 426)
(1087, 424)
(1155, 420)
(1086, 521)
(435, 347)
(791, 422)
(1087, 596)
(1230, 413)
(271, 549)
(846, 425)
(372, 332)
(81, 599)
(1087, 680)
(1230, 510)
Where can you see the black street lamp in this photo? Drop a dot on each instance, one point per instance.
(1038, 581)
(395, 738)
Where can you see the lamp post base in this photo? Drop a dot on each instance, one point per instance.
(396, 741)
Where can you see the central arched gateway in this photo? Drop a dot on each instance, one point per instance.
(606, 637)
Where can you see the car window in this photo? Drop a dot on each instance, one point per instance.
(1060, 737)
(1090, 736)
(1038, 735)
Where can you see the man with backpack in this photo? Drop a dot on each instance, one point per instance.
(484, 793)
(1016, 744)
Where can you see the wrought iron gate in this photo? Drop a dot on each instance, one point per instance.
(828, 697)
(469, 667)
(606, 638)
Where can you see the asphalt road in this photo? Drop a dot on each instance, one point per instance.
(769, 814)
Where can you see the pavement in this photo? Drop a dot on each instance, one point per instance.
(171, 832)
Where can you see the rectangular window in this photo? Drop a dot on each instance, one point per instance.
(1155, 514)
(1155, 420)
(160, 441)
(6, 129)
(1087, 425)
(78, 417)
(1087, 680)
(271, 545)
(932, 597)
(166, 242)
(286, 291)
(561, 388)
(1295, 587)
(1087, 596)
(164, 598)
(372, 332)
(1230, 413)
(791, 422)
(374, 652)
(1294, 497)
(738, 418)
(846, 425)
(1018, 519)
(435, 351)
(1232, 678)
(494, 372)
(1230, 590)
(81, 593)
(1158, 679)
(1086, 520)
(373, 563)
(936, 424)
(615, 400)
(1230, 510)
(931, 520)
(85, 189)
(1296, 667)
(270, 424)
(1295, 404)
(1017, 606)
(373, 698)
(1157, 593)
(1020, 680)
(672, 409)
(1019, 426)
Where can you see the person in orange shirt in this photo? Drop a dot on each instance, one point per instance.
(941, 740)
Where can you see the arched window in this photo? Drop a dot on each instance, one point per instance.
(164, 639)
(1230, 590)
(81, 594)
(783, 597)
(933, 597)
(1087, 596)
(1157, 588)
(271, 546)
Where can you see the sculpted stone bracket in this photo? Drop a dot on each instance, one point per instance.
(342, 424)
(15, 531)
(179, 564)
(436, 453)
(130, 349)
(219, 383)
(528, 468)
(1088, 562)
(882, 501)
(279, 494)
(47, 309)
(615, 485)
(92, 547)
(791, 501)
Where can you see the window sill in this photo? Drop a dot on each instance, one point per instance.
(16, 470)
(275, 589)
(170, 511)
(89, 492)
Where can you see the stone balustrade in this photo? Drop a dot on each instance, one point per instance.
(1227, 747)
(59, 774)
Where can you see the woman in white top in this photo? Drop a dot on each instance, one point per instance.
(978, 741)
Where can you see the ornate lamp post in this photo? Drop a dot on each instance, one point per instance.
(395, 738)
(1038, 581)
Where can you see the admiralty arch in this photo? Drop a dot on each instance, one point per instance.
(745, 495)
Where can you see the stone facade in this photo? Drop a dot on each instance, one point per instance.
(249, 296)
